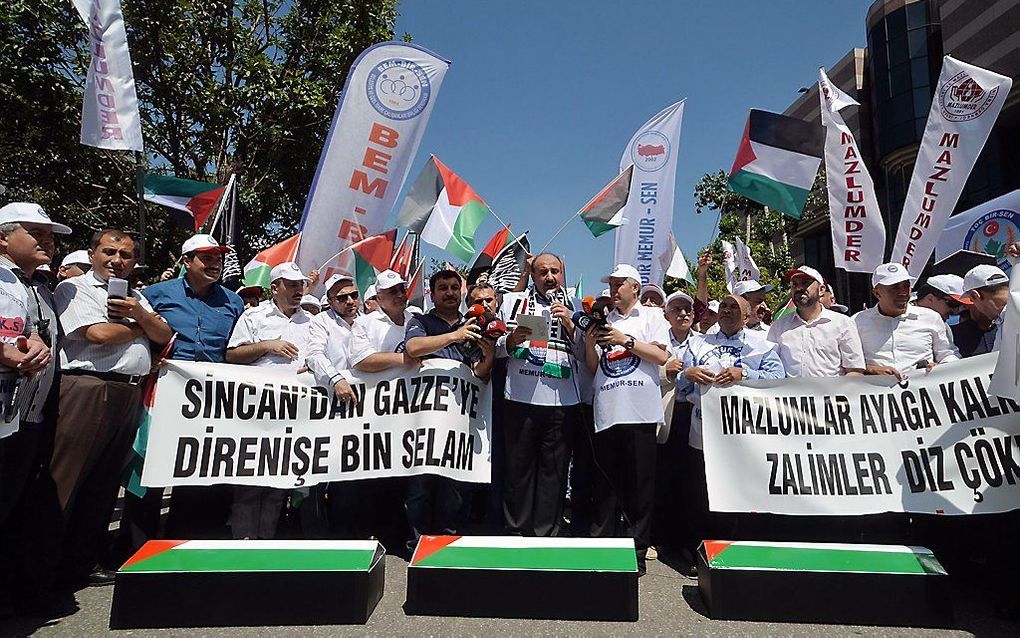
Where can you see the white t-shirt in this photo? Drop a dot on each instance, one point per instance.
(328, 342)
(825, 347)
(14, 322)
(376, 332)
(627, 386)
(266, 322)
(919, 334)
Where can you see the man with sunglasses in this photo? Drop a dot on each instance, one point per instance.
(329, 335)
(943, 294)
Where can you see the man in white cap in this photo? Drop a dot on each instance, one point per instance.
(104, 358)
(943, 294)
(371, 299)
(203, 313)
(897, 337)
(987, 287)
(74, 264)
(815, 341)
(310, 304)
(653, 296)
(30, 519)
(754, 293)
(625, 355)
(270, 335)
(708, 320)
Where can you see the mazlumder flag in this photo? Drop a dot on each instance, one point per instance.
(443, 209)
(256, 271)
(604, 212)
(195, 199)
(966, 104)
(777, 161)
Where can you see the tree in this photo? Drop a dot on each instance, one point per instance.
(243, 86)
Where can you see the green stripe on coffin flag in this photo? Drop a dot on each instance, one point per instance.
(251, 556)
(822, 557)
(505, 552)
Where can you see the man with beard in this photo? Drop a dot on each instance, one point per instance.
(436, 504)
(271, 335)
(105, 357)
(897, 337)
(815, 341)
(202, 312)
(987, 287)
(542, 401)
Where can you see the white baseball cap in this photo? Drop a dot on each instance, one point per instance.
(653, 288)
(323, 302)
(984, 275)
(388, 279)
(370, 293)
(624, 271)
(891, 274)
(310, 300)
(77, 258)
(748, 286)
(606, 292)
(950, 284)
(203, 243)
(713, 306)
(336, 278)
(805, 270)
(28, 212)
(43, 268)
(287, 270)
(679, 294)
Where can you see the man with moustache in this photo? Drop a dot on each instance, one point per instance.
(897, 337)
(815, 341)
(987, 287)
(542, 398)
(104, 359)
(271, 335)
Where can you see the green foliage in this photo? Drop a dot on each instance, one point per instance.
(243, 86)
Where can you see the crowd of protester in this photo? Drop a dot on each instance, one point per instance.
(594, 432)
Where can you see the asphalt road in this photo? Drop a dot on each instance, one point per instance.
(669, 605)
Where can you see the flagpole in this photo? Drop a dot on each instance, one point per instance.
(516, 238)
(222, 204)
(560, 230)
(140, 187)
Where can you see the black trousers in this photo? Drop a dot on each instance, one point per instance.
(582, 473)
(625, 483)
(670, 528)
(537, 457)
(369, 508)
(435, 505)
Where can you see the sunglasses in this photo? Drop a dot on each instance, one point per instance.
(345, 297)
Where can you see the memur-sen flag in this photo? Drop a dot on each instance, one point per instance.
(858, 232)
(483, 262)
(256, 272)
(966, 104)
(196, 200)
(604, 212)
(402, 256)
(443, 209)
(372, 255)
(777, 161)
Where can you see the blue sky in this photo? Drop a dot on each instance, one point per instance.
(543, 96)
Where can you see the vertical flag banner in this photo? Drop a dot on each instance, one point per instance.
(649, 213)
(383, 111)
(858, 232)
(109, 112)
(967, 102)
(729, 264)
(746, 266)
(986, 228)
(777, 161)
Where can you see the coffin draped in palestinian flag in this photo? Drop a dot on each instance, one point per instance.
(777, 161)
(192, 201)
(515, 552)
(256, 272)
(822, 557)
(251, 556)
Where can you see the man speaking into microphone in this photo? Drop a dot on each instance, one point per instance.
(625, 353)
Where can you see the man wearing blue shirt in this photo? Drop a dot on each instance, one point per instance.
(202, 312)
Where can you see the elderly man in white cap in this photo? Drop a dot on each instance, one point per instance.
(815, 341)
(270, 335)
(754, 293)
(74, 264)
(897, 337)
(625, 354)
(653, 296)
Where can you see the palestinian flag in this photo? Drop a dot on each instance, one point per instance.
(444, 210)
(552, 356)
(256, 272)
(604, 212)
(372, 255)
(515, 552)
(193, 200)
(403, 255)
(416, 288)
(483, 262)
(822, 557)
(252, 556)
(787, 309)
(777, 161)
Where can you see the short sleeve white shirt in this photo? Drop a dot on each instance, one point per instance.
(901, 342)
(266, 322)
(827, 346)
(376, 332)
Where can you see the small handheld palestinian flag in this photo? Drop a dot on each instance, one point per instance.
(777, 161)
(403, 255)
(443, 209)
(372, 255)
(605, 211)
(256, 271)
(193, 200)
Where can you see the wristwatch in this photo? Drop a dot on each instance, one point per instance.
(629, 344)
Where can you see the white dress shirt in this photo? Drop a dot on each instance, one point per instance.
(266, 322)
(81, 302)
(376, 332)
(328, 342)
(827, 346)
(901, 342)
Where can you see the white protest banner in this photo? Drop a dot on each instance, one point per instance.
(242, 425)
(941, 444)
(383, 111)
(649, 209)
(109, 112)
(1006, 380)
(966, 104)
(858, 232)
(746, 266)
(729, 264)
(986, 228)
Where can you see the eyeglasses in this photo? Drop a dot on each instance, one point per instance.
(353, 296)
